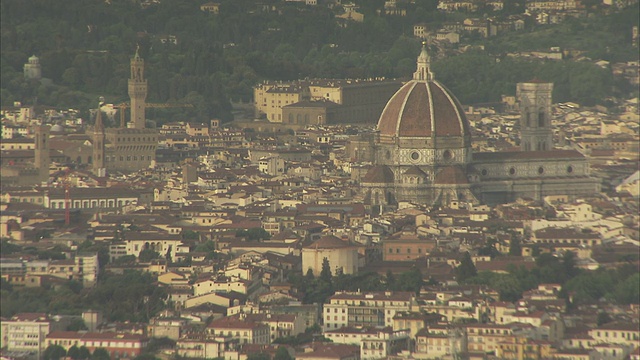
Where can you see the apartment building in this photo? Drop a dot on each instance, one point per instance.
(83, 267)
(365, 309)
(522, 348)
(374, 342)
(237, 327)
(280, 325)
(439, 341)
(617, 333)
(486, 338)
(26, 332)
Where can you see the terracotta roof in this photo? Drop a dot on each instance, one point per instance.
(233, 322)
(95, 336)
(375, 295)
(330, 351)
(421, 108)
(414, 170)
(30, 317)
(451, 175)
(564, 233)
(379, 174)
(328, 242)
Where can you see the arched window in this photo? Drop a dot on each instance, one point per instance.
(541, 117)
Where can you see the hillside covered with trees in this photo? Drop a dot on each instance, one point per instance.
(85, 46)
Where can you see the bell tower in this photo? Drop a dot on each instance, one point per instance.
(137, 91)
(42, 159)
(535, 115)
(98, 144)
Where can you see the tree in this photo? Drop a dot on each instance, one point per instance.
(190, 235)
(147, 255)
(254, 234)
(74, 352)
(515, 249)
(325, 274)
(603, 318)
(309, 275)
(466, 269)
(7, 248)
(282, 354)
(100, 354)
(83, 353)
(54, 352)
(76, 324)
(258, 356)
(390, 280)
(125, 260)
(411, 281)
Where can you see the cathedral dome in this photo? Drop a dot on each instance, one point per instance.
(423, 107)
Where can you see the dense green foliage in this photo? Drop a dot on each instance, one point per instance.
(254, 234)
(79, 353)
(282, 354)
(317, 290)
(85, 48)
(466, 269)
(54, 352)
(621, 286)
(131, 296)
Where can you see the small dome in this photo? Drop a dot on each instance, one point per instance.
(57, 128)
(380, 174)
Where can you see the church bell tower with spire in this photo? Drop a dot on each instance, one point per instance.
(137, 91)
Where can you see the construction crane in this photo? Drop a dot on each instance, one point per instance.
(123, 106)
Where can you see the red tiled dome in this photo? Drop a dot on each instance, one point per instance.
(423, 109)
(451, 175)
(379, 174)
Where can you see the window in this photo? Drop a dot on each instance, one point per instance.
(541, 118)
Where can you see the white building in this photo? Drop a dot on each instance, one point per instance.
(26, 332)
(365, 309)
